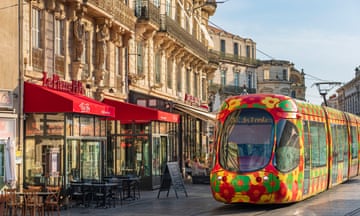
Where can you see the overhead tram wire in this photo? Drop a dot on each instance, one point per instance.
(262, 52)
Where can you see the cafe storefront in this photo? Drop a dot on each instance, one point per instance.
(65, 134)
(141, 141)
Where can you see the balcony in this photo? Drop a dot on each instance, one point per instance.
(216, 56)
(229, 89)
(120, 11)
(173, 28)
(147, 11)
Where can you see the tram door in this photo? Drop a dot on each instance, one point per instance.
(306, 158)
(335, 154)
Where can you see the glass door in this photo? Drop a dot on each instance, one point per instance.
(159, 154)
(84, 160)
(90, 160)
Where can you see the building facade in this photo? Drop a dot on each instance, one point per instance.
(239, 72)
(105, 87)
(236, 72)
(280, 77)
(10, 91)
(348, 95)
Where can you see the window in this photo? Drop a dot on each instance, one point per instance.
(117, 61)
(203, 95)
(140, 60)
(236, 49)
(247, 51)
(157, 3)
(318, 144)
(168, 7)
(169, 76)
(178, 79)
(35, 28)
(266, 74)
(188, 77)
(285, 74)
(287, 154)
(223, 78)
(196, 84)
(157, 77)
(242, 149)
(354, 143)
(222, 46)
(249, 79)
(58, 40)
(236, 79)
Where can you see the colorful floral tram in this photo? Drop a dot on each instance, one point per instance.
(274, 149)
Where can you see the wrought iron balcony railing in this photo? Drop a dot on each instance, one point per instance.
(119, 10)
(146, 10)
(217, 56)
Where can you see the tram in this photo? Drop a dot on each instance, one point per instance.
(274, 149)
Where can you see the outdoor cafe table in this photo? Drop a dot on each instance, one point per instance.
(93, 188)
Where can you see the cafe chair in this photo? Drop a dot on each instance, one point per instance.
(12, 204)
(35, 187)
(2, 204)
(52, 201)
(33, 202)
(117, 191)
(78, 194)
(101, 194)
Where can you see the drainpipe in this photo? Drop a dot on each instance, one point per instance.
(20, 125)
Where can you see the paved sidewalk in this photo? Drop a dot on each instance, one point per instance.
(199, 195)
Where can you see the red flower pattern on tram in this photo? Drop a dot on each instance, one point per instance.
(227, 191)
(255, 192)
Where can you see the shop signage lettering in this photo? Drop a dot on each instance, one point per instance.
(251, 120)
(84, 107)
(56, 83)
(191, 99)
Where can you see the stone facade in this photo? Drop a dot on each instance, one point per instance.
(237, 64)
(280, 77)
(348, 95)
(155, 48)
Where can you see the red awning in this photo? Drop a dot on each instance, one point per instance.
(127, 113)
(41, 99)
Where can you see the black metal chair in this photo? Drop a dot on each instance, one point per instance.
(116, 191)
(77, 194)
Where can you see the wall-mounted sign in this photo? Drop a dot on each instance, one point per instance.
(54, 82)
(192, 99)
(6, 99)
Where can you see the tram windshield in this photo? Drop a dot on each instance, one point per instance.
(246, 140)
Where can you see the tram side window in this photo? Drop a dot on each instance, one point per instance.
(354, 143)
(306, 144)
(318, 144)
(288, 148)
(339, 138)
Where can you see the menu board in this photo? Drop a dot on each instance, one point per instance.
(172, 178)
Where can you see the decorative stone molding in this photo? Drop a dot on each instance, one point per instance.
(157, 86)
(99, 75)
(136, 77)
(76, 70)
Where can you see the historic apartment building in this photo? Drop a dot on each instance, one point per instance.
(104, 87)
(280, 77)
(236, 72)
(348, 95)
(239, 72)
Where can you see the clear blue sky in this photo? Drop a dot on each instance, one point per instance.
(320, 36)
